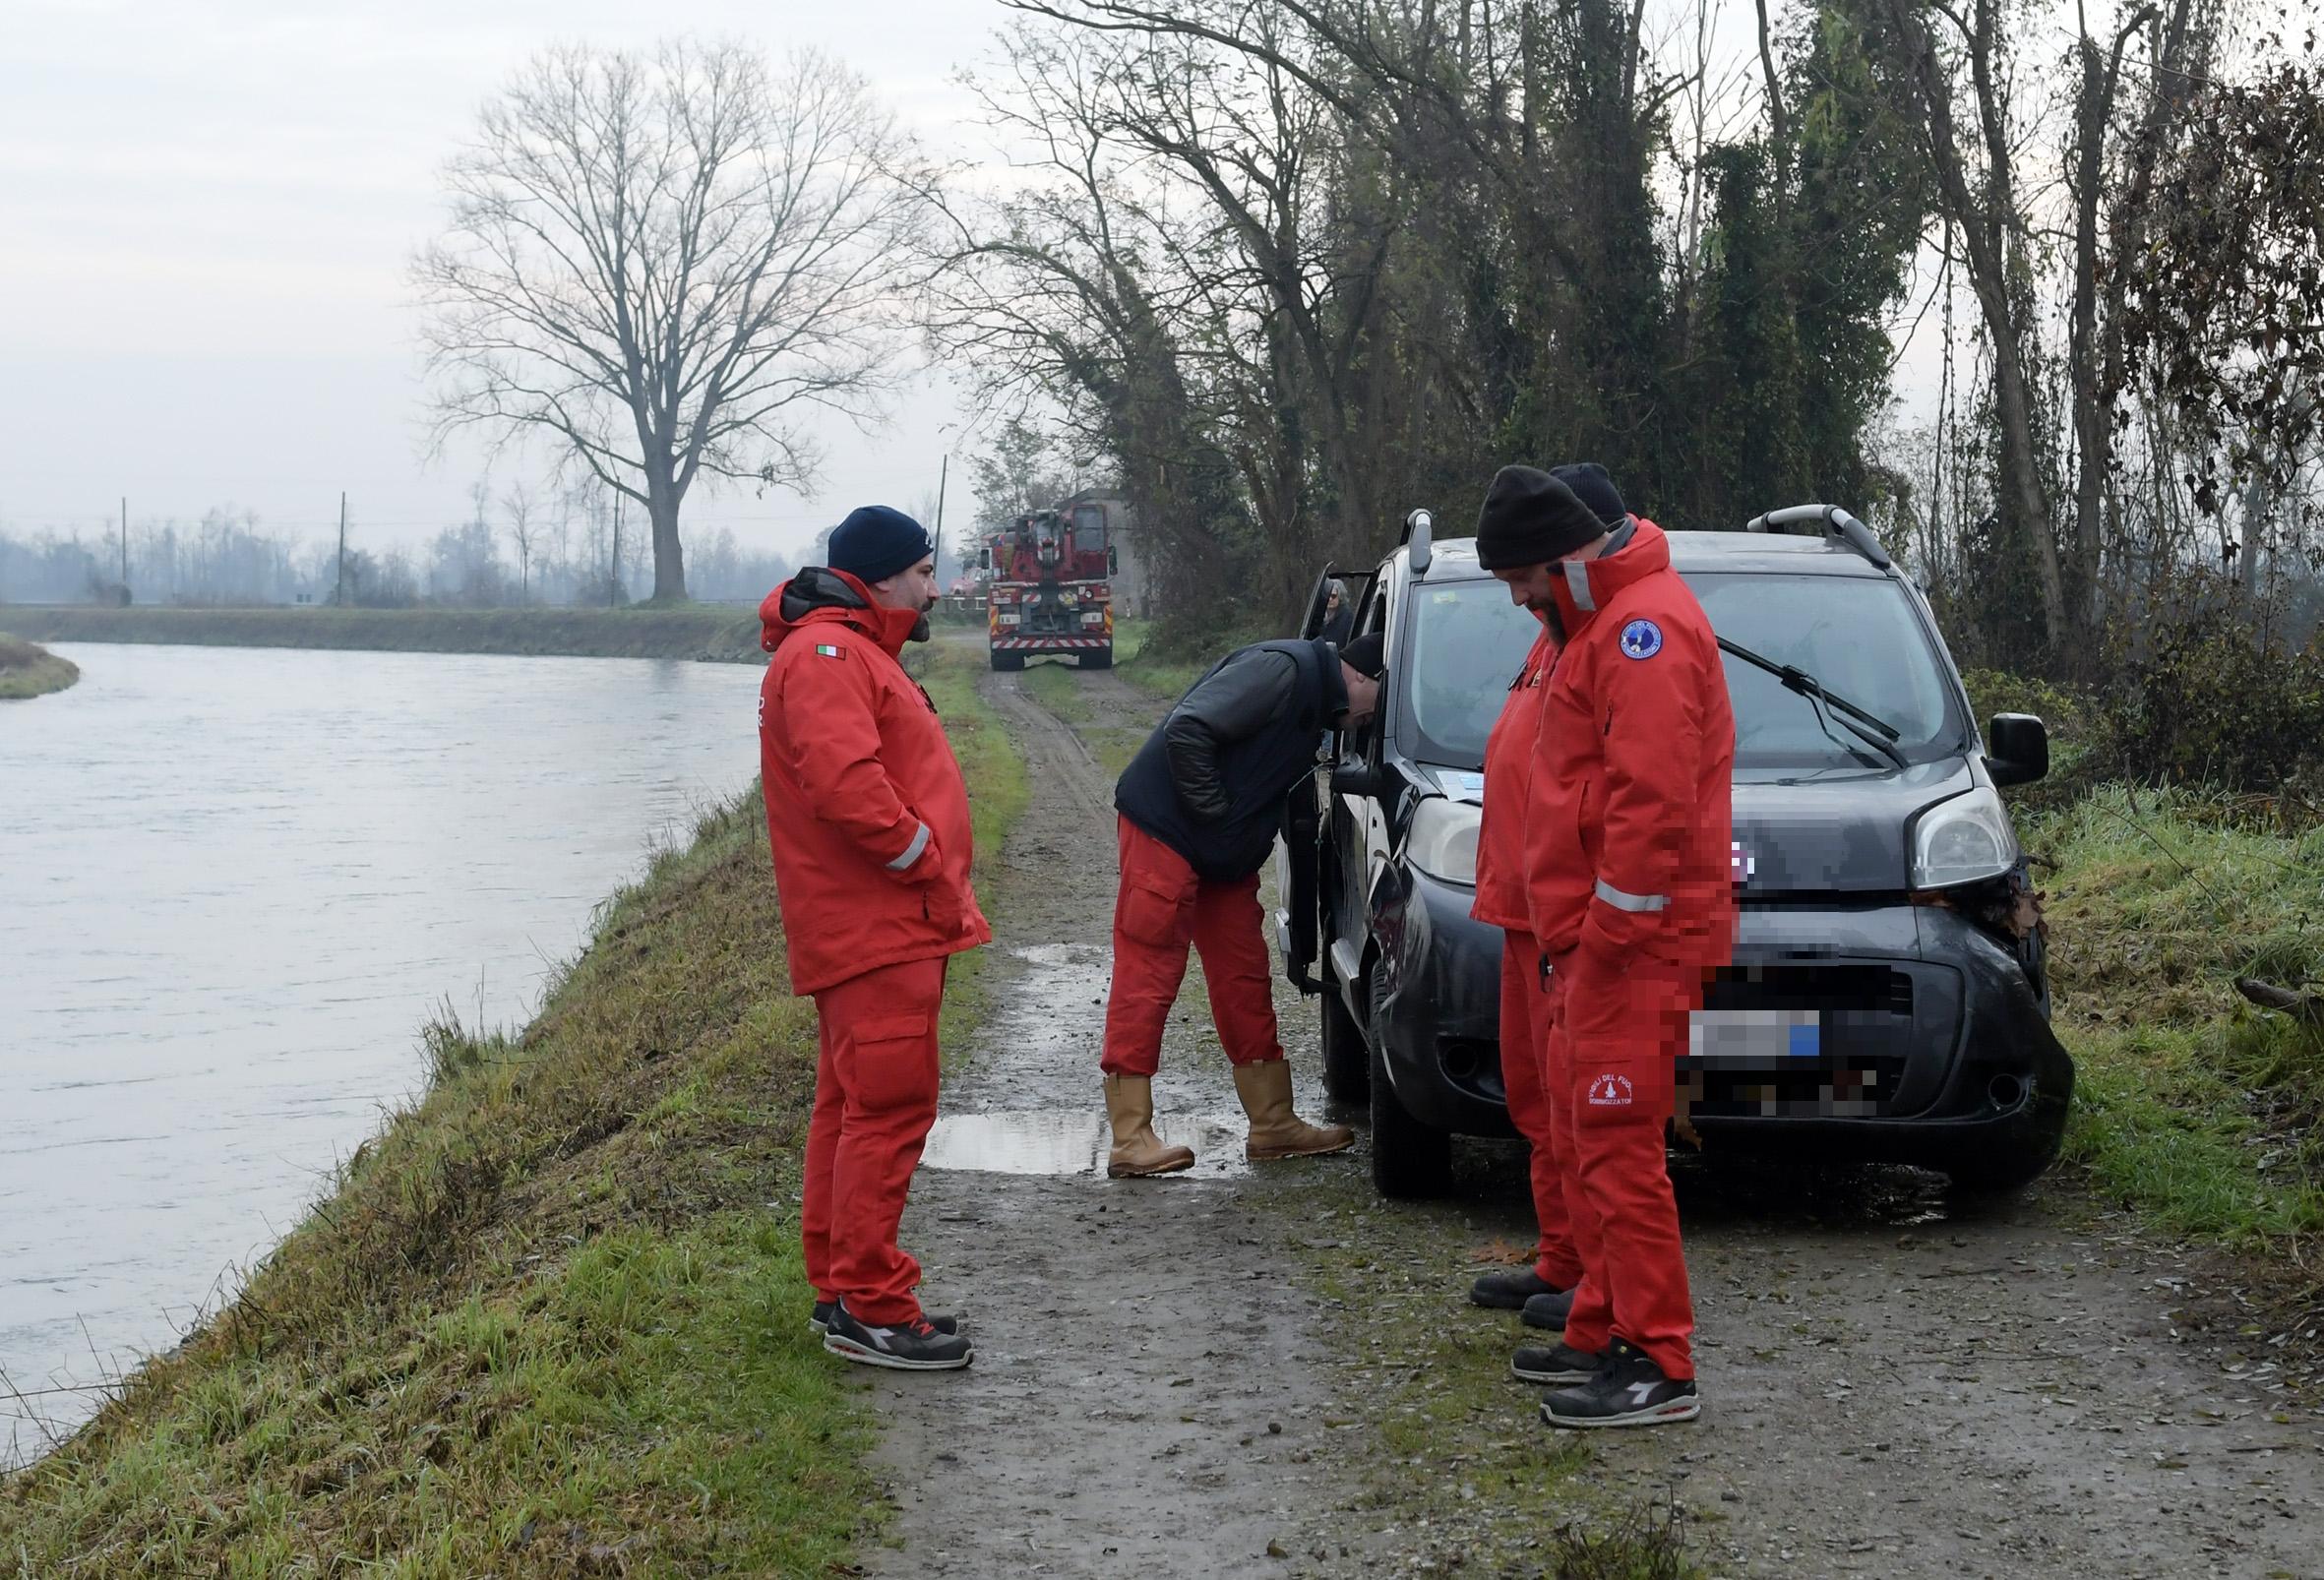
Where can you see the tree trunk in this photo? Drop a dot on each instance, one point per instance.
(669, 558)
(1983, 226)
(2094, 436)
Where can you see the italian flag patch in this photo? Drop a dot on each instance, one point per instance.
(826, 651)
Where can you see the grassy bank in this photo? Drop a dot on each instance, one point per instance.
(1160, 670)
(552, 1320)
(687, 631)
(2192, 1104)
(28, 670)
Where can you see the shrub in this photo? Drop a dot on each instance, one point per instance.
(2211, 703)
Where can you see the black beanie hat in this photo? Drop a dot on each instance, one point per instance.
(1366, 655)
(1593, 488)
(1531, 518)
(875, 542)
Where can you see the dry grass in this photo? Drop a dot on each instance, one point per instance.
(28, 670)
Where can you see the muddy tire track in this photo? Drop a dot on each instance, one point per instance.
(1142, 1400)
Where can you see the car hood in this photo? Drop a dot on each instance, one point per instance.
(1839, 831)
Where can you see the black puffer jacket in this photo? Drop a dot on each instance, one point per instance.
(1210, 782)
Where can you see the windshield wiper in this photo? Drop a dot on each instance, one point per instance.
(1868, 726)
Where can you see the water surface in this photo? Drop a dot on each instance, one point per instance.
(232, 884)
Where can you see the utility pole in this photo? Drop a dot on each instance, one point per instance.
(942, 473)
(125, 545)
(613, 575)
(338, 594)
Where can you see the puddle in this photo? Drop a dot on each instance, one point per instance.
(1067, 1141)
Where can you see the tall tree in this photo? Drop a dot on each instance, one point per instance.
(1977, 186)
(666, 262)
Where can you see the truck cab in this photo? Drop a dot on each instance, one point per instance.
(1048, 588)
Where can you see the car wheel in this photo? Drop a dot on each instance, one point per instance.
(1409, 1159)
(1004, 662)
(1100, 660)
(1347, 1060)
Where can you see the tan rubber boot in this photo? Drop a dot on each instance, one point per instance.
(1138, 1150)
(1275, 1130)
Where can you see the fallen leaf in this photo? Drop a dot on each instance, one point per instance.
(1501, 1251)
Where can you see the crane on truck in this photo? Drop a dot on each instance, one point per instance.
(1049, 588)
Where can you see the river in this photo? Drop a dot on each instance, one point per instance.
(232, 884)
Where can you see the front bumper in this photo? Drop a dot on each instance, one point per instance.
(1932, 1046)
(1009, 642)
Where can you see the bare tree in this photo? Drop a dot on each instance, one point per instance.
(665, 262)
(518, 507)
(1977, 180)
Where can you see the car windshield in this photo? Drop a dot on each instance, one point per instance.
(1469, 641)
(1860, 636)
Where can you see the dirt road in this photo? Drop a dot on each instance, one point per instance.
(1226, 1373)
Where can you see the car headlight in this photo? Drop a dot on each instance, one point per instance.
(1962, 841)
(1443, 839)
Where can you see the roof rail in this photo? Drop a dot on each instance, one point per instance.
(1420, 536)
(1838, 525)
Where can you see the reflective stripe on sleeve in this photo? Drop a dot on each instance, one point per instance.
(920, 843)
(1621, 901)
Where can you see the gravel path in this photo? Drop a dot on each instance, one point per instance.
(1896, 1385)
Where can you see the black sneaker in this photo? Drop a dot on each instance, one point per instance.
(1632, 1391)
(1555, 1363)
(821, 1322)
(1509, 1290)
(1548, 1312)
(905, 1347)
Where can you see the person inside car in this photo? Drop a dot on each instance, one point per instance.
(1542, 1290)
(1627, 845)
(1198, 808)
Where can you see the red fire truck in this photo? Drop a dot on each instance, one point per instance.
(1049, 588)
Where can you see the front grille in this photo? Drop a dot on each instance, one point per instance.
(1864, 989)
(1864, 1013)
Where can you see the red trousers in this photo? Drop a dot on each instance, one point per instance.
(1618, 1029)
(1525, 1020)
(875, 1099)
(1160, 908)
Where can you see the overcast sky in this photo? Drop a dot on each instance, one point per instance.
(205, 209)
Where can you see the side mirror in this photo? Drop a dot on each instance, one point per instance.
(1357, 779)
(2017, 749)
(984, 557)
(1113, 561)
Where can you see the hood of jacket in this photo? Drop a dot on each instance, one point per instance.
(1585, 587)
(820, 595)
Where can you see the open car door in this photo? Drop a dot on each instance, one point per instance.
(1296, 927)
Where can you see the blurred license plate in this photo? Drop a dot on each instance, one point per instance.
(1756, 1034)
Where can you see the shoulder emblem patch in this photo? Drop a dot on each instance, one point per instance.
(1641, 639)
(827, 651)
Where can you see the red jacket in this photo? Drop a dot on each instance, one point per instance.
(1629, 828)
(1508, 767)
(866, 810)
